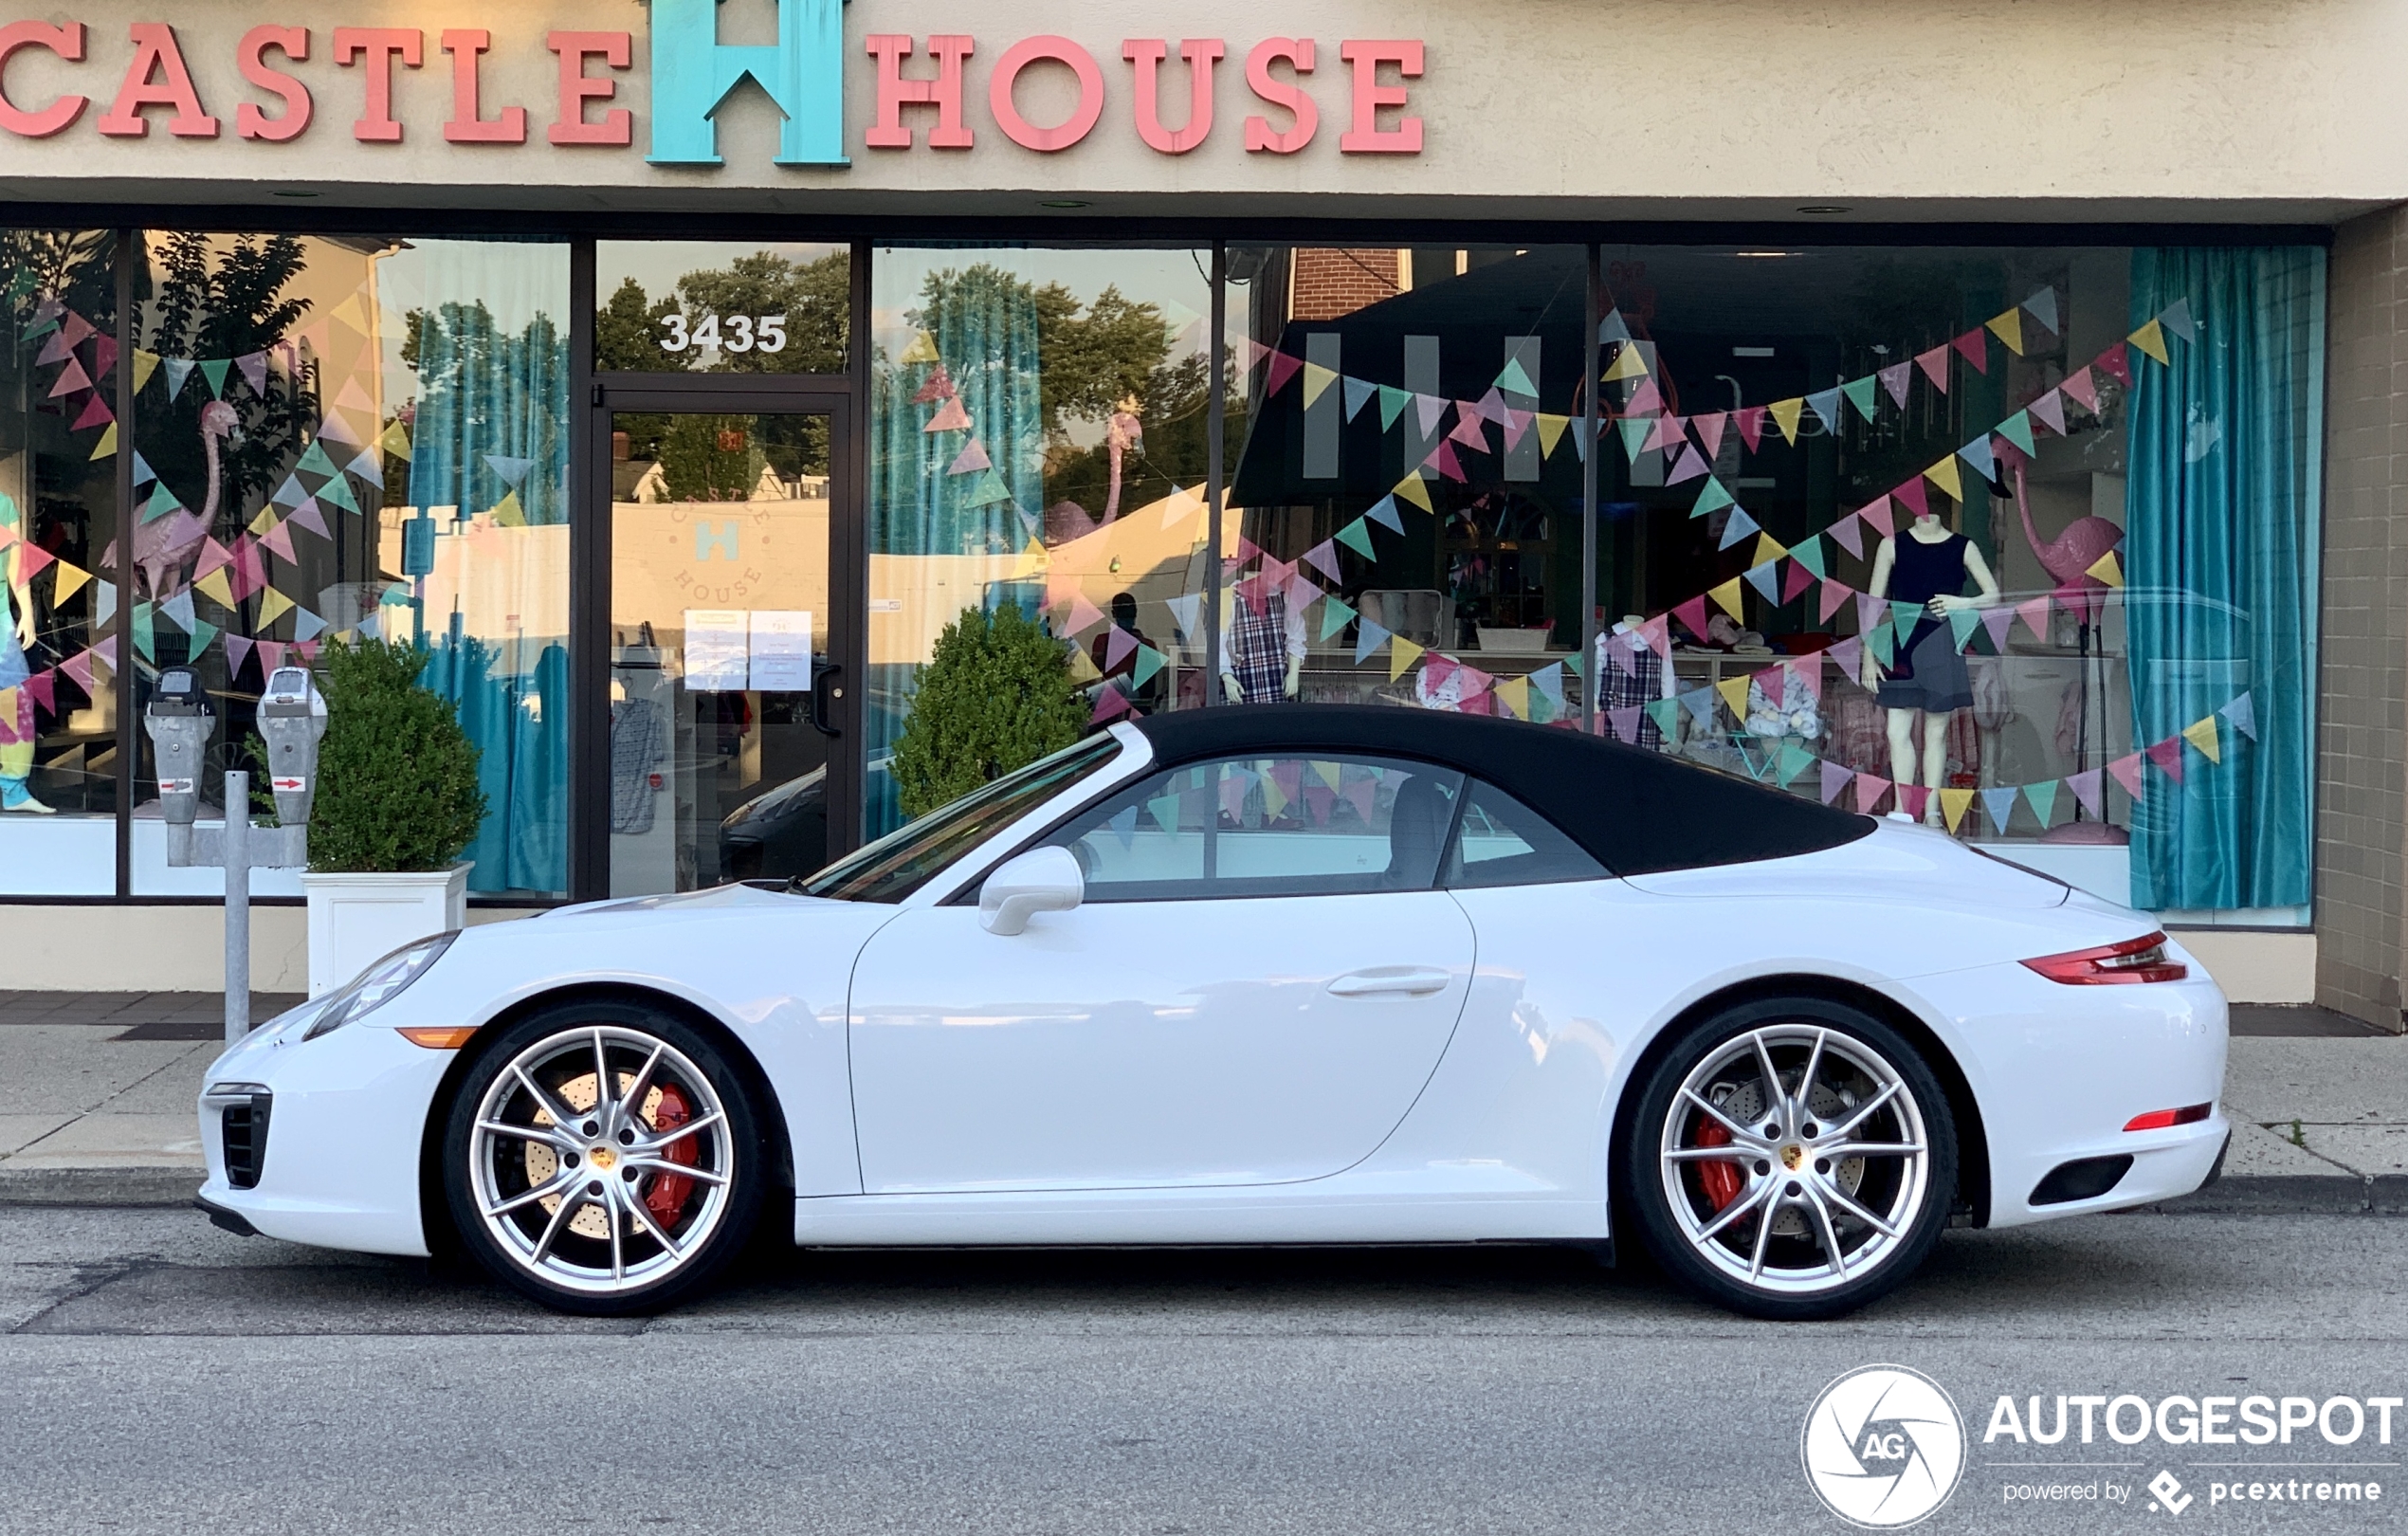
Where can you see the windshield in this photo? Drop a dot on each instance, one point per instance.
(911, 855)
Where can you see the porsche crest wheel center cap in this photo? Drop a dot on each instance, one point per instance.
(1791, 1157)
(602, 1158)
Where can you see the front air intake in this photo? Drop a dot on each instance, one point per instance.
(243, 1137)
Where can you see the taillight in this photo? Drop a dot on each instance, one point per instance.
(2135, 959)
(2162, 1119)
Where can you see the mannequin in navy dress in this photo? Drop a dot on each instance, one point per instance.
(1925, 681)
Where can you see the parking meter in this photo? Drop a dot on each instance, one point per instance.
(180, 722)
(292, 717)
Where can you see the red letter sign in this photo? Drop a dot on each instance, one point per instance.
(156, 53)
(1370, 96)
(1200, 54)
(577, 87)
(68, 42)
(1070, 130)
(896, 93)
(250, 56)
(380, 43)
(1259, 133)
(467, 124)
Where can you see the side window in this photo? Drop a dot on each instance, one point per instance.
(1268, 827)
(1502, 842)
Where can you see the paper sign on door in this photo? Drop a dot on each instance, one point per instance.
(717, 649)
(781, 649)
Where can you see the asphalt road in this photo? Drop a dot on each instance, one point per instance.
(156, 1375)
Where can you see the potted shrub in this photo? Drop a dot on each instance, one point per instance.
(397, 802)
(997, 695)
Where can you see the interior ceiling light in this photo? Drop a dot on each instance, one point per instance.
(1062, 202)
(294, 192)
(1826, 207)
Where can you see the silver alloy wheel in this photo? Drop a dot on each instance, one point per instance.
(1795, 1159)
(600, 1159)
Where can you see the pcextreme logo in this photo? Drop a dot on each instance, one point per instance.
(1883, 1447)
(371, 71)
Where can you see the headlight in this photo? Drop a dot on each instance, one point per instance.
(379, 985)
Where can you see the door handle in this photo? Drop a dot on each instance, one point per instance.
(1388, 980)
(820, 673)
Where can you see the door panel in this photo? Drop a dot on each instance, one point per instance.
(1144, 1044)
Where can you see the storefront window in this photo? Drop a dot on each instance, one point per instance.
(59, 660)
(717, 306)
(1039, 438)
(343, 437)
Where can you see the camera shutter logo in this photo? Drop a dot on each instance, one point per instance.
(1883, 1447)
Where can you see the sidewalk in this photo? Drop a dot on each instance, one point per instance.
(98, 1096)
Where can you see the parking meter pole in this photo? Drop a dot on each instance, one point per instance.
(238, 905)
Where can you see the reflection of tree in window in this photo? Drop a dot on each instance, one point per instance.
(220, 298)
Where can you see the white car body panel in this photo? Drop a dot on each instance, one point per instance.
(941, 1085)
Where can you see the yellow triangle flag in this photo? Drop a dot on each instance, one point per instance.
(1317, 381)
(214, 585)
(1515, 696)
(1402, 653)
(144, 363)
(395, 441)
(1033, 561)
(107, 445)
(1734, 692)
(923, 349)
(1550, 433)
(1767, 548)
(1328, 772)
(65, 581)
(1274, 799)
(2202, 736)
(1954, 802)
(507, 513)
(265, 521)
(273, 605)
(1414, 489)
(1943, 475)
(1083, 668)
(2008, 328)
(2105, 568)
(1784, 415)
(2151, 340)
(1726, 597)
(1626, 363)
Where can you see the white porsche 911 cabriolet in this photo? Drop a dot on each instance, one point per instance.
(1284, 975)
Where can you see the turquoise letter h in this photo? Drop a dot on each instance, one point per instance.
(803, 72)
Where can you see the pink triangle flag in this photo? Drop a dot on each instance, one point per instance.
(1658, 632)
(1796, 581)
(254, 367)
(1806, 673)
(34, 561)
(2117, 361)
(1935, 366)
(1646, 401)
(70, 380)
(95, 413)
(1324, 558)
(2085, 790)
(1871, 611)
(2035, 614)
(1846, 655)
(1995, 620)
(2079, 389)
(1709, 430)
(1624, 648)
(950, 417)
(1118, 647)
(271, 656)
(1870, 789)
(1085, 616)
(1834, 780)
(2168, 755)
(1517, 423)
(278, 540)
(1974, 346)
(79, 667)
(1284, 367)
(1894, 378)
(1848, 536)
(1471, 429)
(1670, 432)
(938, 386)
(1693, 614)
(1692, 464)
(238, 650)
(971, 461)
(1913, 798)
(2127, 772)
(43, 685)
(2049, 410)
(309, 517)
(1913, 498)
(1877, 516)
(1490, 406)
(1442, 459)
(1625, 724)
(1751, 426)
(1110, 704)
(1835, 596)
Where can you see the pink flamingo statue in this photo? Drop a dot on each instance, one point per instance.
(165, 542)
(1121, 434)
(2069, 556)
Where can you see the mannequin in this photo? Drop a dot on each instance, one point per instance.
(1926, 681)
(16, 700)
(1261, 650)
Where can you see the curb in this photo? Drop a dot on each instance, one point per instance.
(2294, 1195)
(100, 1186)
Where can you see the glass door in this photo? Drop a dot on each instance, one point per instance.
(725, 625)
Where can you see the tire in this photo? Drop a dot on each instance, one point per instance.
(1777, 1231)
(599, 1206)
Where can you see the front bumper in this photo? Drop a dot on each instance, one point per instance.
(2059, 1070)
(340, 1163)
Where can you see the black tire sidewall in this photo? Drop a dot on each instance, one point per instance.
(1641, 1185)
(747, 1155)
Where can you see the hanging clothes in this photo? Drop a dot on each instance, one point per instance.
(1256, 647)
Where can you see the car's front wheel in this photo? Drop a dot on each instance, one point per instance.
(602, 1158)
(1792, 1158)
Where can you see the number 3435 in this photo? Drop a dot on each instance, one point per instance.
(732, 332)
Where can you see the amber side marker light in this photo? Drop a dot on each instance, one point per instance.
(2160, 1119)
(438, 1036)
(2135, 959)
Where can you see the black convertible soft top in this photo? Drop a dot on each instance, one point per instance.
(1636, 811)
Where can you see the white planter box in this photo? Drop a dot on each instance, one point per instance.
(356, 919)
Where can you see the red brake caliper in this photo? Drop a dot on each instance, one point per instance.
(1720, 1181)
(666, 1196)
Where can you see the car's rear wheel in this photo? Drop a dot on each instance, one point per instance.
(602, 1159)
(1792, 1158)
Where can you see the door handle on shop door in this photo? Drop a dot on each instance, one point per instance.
(821, 691)
(1389, 980)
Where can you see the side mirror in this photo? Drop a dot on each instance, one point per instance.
(1041, 880)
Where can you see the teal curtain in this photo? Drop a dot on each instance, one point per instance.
(2222, 504)
(979, 325)
(490, 436)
